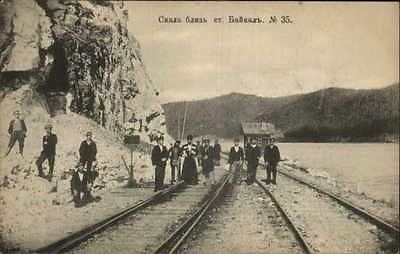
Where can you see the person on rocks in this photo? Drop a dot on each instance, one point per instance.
(253, 154)
(174, 156)
(207, 160)
(159, 157)
(17, 130)
(217, 152)
(81, 185)
(189, 169)
(78, 185)
(88, 151)
(271, 157)
(49, 142)
(236, 158)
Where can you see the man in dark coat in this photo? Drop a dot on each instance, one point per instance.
(174, 156)
(159, 157)
(81, 183)
(217, 152)
(253, 154)
(48, 153)
(236, 157)
(271, 158)
(207, 160)
(189, 169)
(78, 185)
(17, 130)
(199, 145)
(88, 152)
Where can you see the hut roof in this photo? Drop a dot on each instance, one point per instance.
(258, 128)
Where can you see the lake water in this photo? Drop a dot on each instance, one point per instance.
(372, 168)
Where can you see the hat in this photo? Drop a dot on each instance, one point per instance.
(48, 126)
(206, 139)
(89, 133)
(190, 137)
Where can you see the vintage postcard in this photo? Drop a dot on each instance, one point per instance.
(199, 127)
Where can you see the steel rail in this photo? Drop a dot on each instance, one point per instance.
(296, 232)
(178, 237)
(73, 240)
(373, 219)
(380, 223)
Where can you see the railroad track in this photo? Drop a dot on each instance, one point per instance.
(243, 226)
(293, 228)
(373, 219)
(139, 221)
(176, 239)
(75, 239)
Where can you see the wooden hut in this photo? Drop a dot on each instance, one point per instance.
(262, 131)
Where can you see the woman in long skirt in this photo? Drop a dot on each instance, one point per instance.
(189, 169)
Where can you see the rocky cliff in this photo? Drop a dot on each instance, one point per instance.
(79, 56)
(75, 65)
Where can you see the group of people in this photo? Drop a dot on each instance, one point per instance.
(83, 174)
(251, 155)
(185, 161)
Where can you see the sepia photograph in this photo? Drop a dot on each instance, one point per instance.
(196, 127)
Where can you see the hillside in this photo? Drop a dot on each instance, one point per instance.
(342, 113)
(221, 115)
(328, 114)
(75, 65)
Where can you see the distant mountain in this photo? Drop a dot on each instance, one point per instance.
(326, 114)
(341, 113)
(221, 115)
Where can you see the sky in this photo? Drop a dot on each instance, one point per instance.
(349, 45)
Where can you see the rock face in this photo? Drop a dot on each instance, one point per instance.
(81, 57)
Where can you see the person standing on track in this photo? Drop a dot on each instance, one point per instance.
(174, 153)
(17, 130)
(207, 160)
(271, 157)
(189, 170)
(159, 157)
(253, 154)
(217, 152)
(48, 153)
(236, 157)
(200, 145)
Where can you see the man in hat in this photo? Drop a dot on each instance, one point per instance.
(236, 157)
(217, 152)
(199, 145)
(81, 183)
(49, 142)
(174, 156)
(189, 169)
(253, 154)
(78, 184)
(88, 151)
(271, 157)
(207, 158)
(17, 130)
(159, 157)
